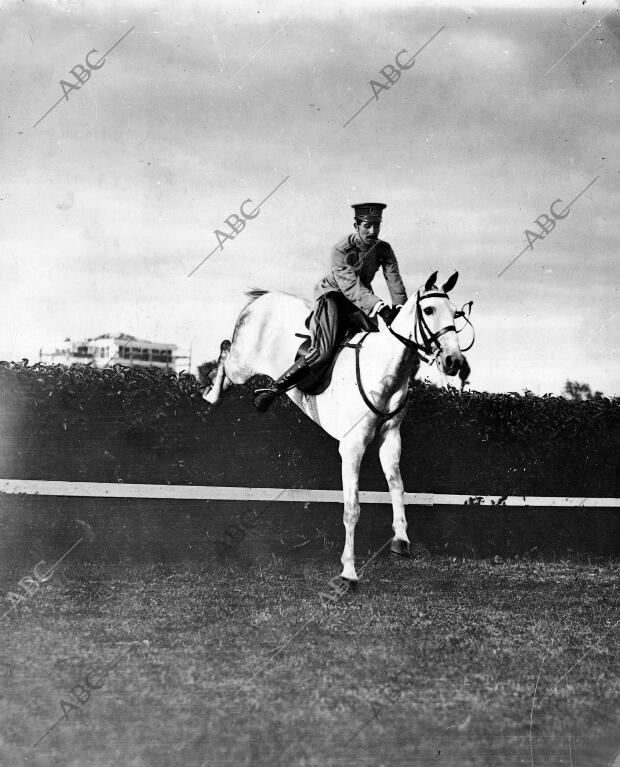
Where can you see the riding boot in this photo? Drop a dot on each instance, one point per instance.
(264, 397)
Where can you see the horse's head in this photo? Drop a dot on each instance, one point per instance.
(432, 327)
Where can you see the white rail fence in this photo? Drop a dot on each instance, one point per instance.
(212, 493)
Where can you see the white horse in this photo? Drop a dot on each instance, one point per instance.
(368, 392)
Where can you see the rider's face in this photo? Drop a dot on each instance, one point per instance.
(368, 231)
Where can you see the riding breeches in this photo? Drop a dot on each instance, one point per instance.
(332, 316)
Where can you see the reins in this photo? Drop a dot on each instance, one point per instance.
(465, 316)
(360, 386)
(425, 339)
(422, 344)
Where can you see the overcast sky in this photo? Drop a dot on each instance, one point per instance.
(113, 198)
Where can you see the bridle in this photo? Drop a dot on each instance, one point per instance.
(425, 343)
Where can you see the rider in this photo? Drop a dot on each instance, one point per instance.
(343, 298)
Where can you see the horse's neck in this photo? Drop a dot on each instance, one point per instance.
(392, 357)
(404, 320)
(406, 361)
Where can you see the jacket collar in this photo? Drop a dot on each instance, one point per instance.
(365, 249)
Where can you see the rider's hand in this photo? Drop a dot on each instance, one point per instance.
(387, 314)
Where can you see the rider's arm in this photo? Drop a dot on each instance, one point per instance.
(392, 276)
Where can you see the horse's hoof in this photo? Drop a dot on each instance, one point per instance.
(348, 586)
(348, 573)
(401, 548)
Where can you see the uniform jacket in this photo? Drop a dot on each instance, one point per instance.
(354, 266)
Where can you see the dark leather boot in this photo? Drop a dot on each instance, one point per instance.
(264, 397)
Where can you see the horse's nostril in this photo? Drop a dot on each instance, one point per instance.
(449, 362)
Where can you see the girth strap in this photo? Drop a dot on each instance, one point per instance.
(358, 375)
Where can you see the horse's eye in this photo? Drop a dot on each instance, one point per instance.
(429, 310)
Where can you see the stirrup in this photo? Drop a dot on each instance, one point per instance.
(271, 389)
(264, 397)
(288, 380)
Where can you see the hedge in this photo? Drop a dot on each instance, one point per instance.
(136, 425)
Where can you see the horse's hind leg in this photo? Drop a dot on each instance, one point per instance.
(213, 395)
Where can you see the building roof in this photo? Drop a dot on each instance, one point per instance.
(127, 337)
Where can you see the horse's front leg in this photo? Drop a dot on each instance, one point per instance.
(389, 455)
(352, 452)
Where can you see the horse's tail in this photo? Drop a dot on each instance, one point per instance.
(256, 293)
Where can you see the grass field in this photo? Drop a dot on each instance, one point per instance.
(432, 660)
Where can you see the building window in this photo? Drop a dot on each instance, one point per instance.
(162, 355)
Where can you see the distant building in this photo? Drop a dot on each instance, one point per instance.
(115, 349)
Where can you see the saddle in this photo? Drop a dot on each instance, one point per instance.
(319, 377)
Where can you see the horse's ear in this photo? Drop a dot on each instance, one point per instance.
(431, 281)
(450, 283)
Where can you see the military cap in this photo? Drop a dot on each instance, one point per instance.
(369, 211)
